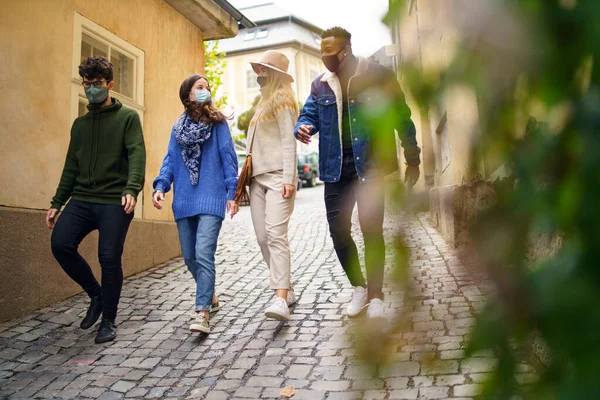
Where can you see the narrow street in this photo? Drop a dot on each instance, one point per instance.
(45, 355)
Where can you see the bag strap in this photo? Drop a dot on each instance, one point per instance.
(254, 132)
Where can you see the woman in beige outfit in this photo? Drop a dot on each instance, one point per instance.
(274, 174)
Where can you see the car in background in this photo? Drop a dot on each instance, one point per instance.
(308, 168)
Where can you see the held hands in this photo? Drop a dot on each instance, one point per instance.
(412, 175)
(303, 134)
(232, 207)
(157, 197)
(128, 202)
(287, 191)
(51, 217)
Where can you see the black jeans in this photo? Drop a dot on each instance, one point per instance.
(340, 198)
(78, 219)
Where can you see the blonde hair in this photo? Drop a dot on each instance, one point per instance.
(277, 91)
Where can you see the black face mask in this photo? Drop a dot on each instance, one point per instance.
(332, 62)
(262, 80)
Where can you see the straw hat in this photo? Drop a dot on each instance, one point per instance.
(274, 60)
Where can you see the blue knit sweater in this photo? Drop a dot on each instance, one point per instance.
(217, 181)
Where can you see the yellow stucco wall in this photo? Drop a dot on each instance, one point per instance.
(37, 42)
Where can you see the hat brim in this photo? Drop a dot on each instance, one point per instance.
(255, 66)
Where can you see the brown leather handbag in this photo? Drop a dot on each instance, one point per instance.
(241, 192)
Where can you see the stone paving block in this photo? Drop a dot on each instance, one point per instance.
(111, 396)
(122, 386)
(408, 368)
(260, 381)
(137, 392)
(435, 392)
(306, 394)
(449, 380)
(422, 381)
(327, 373)
(349, 396)
(197, 393)
(467, 390)
(476, 365)
(404, 394)
(360, 371)
(246, 355)
(250, 392)
(439, 367)
(269, 370)
(367, 384)
(216, 395)
(331, 386)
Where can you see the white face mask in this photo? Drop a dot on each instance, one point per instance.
(202, 96)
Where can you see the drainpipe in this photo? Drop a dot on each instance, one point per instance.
(234, 12)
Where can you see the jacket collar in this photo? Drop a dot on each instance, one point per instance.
(333, 81)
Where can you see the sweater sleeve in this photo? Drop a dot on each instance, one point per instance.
(68, 177)
(136, 154)
(165, 177)
(228, 159)
(286, 117)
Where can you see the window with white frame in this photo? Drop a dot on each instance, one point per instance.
(90, 39)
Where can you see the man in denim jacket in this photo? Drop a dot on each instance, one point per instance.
(356, 107)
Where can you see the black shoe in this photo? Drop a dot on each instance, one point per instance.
(93, 313)
(106, 332)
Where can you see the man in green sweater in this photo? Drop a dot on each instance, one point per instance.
(103, 174)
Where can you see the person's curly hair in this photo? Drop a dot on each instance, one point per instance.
(200, 112)
(96, 67)
(337, 32)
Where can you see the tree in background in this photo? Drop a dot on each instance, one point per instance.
(245, 117)
(214, 67)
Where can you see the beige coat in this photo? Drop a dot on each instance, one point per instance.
(274, 147)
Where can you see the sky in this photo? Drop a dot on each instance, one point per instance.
(362, 18)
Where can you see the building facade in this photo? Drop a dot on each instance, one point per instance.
(154, 45)
(276, 29)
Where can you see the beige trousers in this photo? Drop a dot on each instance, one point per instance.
(270, 216)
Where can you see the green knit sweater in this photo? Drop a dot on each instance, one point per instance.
(106, 158)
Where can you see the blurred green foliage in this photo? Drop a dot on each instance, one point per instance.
(553, 189)
(214, 67)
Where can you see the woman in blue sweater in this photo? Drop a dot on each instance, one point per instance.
(202, 166)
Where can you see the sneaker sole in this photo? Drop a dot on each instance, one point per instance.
(199, 329)
(362, 310)
(277, 316)
(105, 340)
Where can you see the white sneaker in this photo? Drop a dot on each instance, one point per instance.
(358, 302)
(375, 309)
(200, 324)
(291, 298)
(278, 310)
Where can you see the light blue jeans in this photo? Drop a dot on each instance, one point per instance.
(198, 237)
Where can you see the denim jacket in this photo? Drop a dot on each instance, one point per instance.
(376, 108)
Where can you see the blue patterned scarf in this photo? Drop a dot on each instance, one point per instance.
(190, 136)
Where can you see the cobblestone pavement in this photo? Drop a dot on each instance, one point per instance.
(46, 354)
